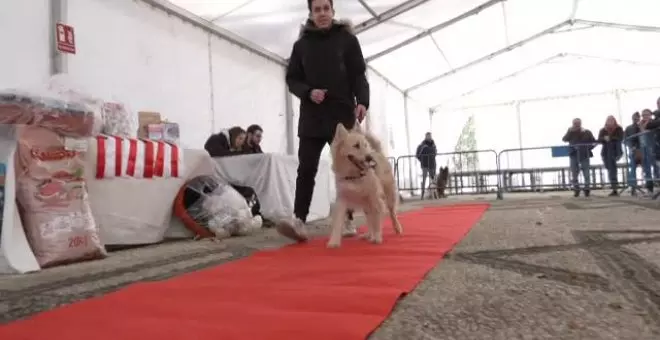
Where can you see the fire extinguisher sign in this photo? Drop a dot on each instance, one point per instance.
(66, 41)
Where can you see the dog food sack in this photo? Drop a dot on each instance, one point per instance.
(49, 110)
(52, 194)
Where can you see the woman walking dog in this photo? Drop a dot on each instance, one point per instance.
(327, 72)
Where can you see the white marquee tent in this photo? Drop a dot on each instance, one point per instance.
(214, 63)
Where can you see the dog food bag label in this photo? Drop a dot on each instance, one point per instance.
(53, 196)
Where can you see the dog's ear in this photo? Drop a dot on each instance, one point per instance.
(357, 127)
(340, 132)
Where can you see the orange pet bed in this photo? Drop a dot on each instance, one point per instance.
(188, 194)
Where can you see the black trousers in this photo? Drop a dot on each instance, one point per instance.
(309, 155)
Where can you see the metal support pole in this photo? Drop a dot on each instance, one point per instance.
(574, 10)
(434, 29)
(619, 106)
(509, 48)
(58, 14)
(290, 134)
(407, 125)
(206, 25)
(638, 28)
(431, 113)
(211, 84)
(388, 15)
(520, 138)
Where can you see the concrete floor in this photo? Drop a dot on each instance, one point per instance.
(537, 266)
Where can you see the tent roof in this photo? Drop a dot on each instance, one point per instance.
(461, 52)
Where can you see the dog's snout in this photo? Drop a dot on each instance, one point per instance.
(369, 159)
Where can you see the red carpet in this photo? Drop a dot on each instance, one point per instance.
(297, 292)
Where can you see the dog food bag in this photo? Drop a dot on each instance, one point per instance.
(7, 144)
(48, 110)
(113, 117)
(55, 206)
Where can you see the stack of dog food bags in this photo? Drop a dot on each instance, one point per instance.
(51, 193)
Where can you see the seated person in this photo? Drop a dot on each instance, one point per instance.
(254, 134)
(226, 143)
(231, 142)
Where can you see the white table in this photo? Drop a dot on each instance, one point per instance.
(273, 178)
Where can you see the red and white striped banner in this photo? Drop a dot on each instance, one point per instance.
(137, 158)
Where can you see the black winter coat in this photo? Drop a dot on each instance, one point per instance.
(218, 145)
(426, 152)
(330, 60)
(611, 148)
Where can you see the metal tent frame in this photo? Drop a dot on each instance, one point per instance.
(59, 62)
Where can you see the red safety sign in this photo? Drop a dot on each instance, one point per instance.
(66, 42)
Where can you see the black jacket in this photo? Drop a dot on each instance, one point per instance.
(426, 152)
(655, 125)
(218, 145)
(251, 149)
(612, 147)
(331, 60)
(581, 143)
(632, 142)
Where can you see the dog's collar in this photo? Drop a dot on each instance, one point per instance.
(361, 175)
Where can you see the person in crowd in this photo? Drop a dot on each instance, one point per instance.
(631, 139)
(426, 152)
(231, 142)
(647, 141)
(654, 125)
(327, 71)
(226, 143)
(611, 136)
(253, 140)
(581, 142)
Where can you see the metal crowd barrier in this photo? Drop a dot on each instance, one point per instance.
(640, 152)
(464, 180)
(554, 178)
(505, 178)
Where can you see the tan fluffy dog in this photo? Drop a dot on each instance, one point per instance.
(364, 181)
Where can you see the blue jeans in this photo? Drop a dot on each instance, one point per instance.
(576, 166)
(632, 168)
(651, 171)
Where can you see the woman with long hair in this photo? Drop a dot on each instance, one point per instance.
(611, 137)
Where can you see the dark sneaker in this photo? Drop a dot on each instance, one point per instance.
(587, 193)
(576, 193)
(614, 193)
(293, 228)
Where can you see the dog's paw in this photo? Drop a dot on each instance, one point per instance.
(376, 239)
(333, 245)
(365, 236)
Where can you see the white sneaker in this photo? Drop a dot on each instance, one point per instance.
(350, 229)
(294, 229)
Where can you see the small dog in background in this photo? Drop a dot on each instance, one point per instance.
(364, 180)
(438, 185)
(441, 182)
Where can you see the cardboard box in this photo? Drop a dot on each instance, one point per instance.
(166, 131)
(171, 132)
(144, 120)
(155, 132)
